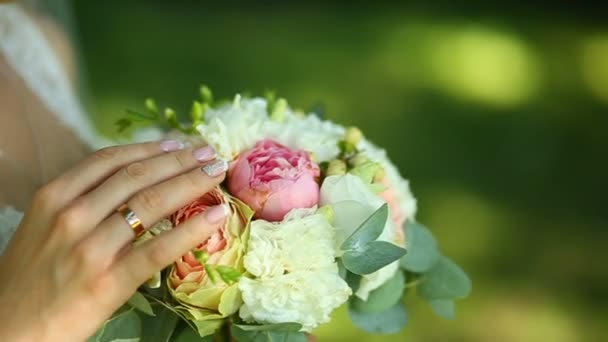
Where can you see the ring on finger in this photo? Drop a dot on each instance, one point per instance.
(132, 219)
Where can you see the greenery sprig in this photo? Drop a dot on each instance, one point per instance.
(168, 118)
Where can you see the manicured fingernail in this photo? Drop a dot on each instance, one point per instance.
(204, 154)
(171, 145)
(215, 168)
(216, 213)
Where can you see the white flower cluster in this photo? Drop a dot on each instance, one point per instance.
(296, 275)
(236, 127)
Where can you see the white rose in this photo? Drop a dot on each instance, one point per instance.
(296, 276)
(353, 202)
(234, 128)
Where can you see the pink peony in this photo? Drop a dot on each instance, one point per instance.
(274, 179)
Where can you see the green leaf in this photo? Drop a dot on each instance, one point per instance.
(368, 231)
(346, 148)
(353, 280)
(189, 335)
(159, 328)
(443, 308)
(384, 297)
(288, 332)
(387, 322)
(445, 280)
(271, 327)
(228, 274)
(139, 302)
(422, 251)
(372, 257)
(123, 124)
(123, 327)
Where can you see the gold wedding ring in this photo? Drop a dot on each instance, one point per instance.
(132, 219)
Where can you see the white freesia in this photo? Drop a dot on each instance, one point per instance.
(353, 201)
(296, 276)
(234, 128)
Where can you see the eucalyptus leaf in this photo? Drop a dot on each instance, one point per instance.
(272, 327)
(372, 257)
(422, 252)
(390, 321)
(189, 335)
(268, 333)
(368, 231)
(139, 302)
(353, 280)
(159, 328)
(443, 308)
(445, 280)
(382, 298)
(125, 326)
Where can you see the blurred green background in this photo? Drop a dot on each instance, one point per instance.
(497, 114)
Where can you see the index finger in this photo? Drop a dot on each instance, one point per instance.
(102, 164)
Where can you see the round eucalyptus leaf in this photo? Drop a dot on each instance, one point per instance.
(371, 257)
(384, 297)
(422, 252)
(268, 333)
(445, 280)
(390, 321)
(443, 308)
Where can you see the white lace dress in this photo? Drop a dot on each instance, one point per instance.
(28, 52)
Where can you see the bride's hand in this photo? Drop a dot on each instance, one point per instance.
(71, 265)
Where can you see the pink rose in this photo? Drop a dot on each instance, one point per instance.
(274, 179)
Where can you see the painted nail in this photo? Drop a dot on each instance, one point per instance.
(216, 213)
(204, 154)
(171, 145)
(215, 168)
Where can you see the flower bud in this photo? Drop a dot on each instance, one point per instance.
(336, 167)
(206, 94)
(278, 111)
(379, 175)
(328, 212)
(197, 112)
(353, 135)
(228, 274)
(358, 159)
(201, 256)
(151, 105)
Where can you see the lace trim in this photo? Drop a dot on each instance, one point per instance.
(9, 221)
(27, 51)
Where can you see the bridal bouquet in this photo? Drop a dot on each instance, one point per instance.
(319, 218)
